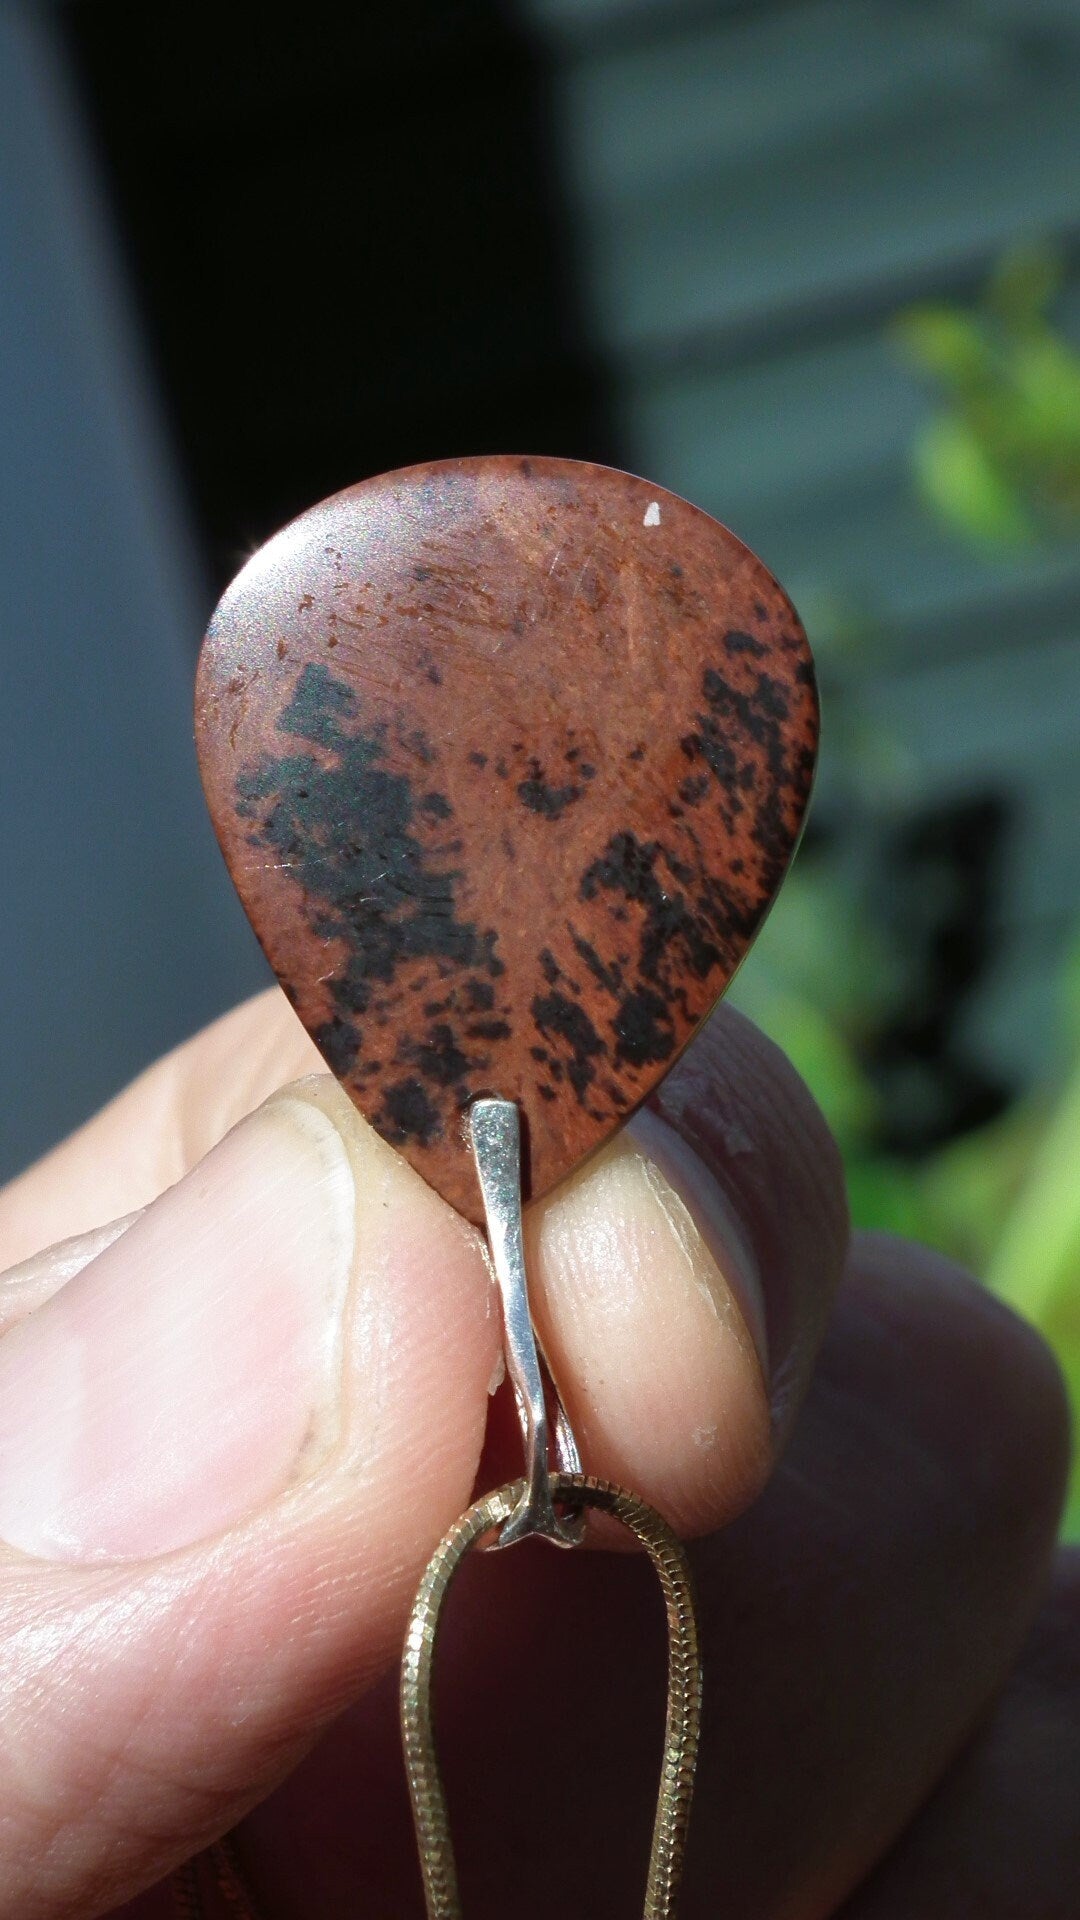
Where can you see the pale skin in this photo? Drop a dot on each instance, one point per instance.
(245, 1388)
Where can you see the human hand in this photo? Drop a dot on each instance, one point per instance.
(233, 1427)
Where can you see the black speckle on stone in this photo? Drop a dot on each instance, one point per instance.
(549, 966)
(478, 996)
(736, 642)
(675, 570)
(339, 1043)
(502, 769)
(433, 674)
(439, 1057)
(643, 1028)
(718, 755)
(636, 753)
(607, 976)
(772, 698)
(351, 996)
(546, 1092)
(343, 826)
(540, 797)
(492, 964)
(408, 1115)
(421, 573)
(561, 1020)
(418, 744)
(615, 1094)
(761, 609)
(525, 467)
(488, 1030)
(436, 806)
(627, 867)
(587, 770)
(693, 789)
(319, 703)
(477, 759)
(804, 674)
(673, 933)
(759, 716)
(681, 869)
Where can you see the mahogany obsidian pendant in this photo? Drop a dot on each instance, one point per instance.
(507, 758)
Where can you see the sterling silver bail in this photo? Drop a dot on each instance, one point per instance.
(494, 1128)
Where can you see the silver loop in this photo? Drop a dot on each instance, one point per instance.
(495, 1136)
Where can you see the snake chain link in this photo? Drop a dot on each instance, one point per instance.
(220, 1865)
(430, 1815)
(681, 1732)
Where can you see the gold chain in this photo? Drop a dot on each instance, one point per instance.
(430, 1816)
(684, 1688)
(223, 1869)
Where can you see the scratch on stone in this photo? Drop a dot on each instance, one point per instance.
(582, 573)
(635, 625)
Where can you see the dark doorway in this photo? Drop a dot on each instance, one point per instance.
(345, 230)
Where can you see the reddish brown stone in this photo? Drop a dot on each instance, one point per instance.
(507, 759)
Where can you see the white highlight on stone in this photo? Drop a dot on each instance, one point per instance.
(652, 514)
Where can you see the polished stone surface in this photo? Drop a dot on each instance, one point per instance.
(507, 758)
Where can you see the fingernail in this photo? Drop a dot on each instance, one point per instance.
(31, 1281)
(192, 1370)
(693, 1185)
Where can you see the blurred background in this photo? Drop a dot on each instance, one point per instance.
(813, 263)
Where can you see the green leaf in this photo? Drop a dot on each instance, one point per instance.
(885, 1195)
(1037, 1259)
(817, 1050)
(1046, 376)
(943, 341)
(1024, 282)
(958, 481)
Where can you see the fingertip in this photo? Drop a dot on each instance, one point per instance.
(738, 1105)
(683, 1278)
(652, 1354)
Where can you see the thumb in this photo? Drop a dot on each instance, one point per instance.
(225, 1449)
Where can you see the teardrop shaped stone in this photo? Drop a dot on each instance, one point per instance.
(507, 759)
